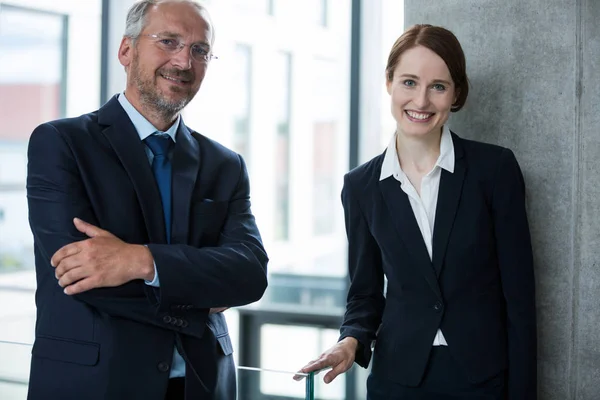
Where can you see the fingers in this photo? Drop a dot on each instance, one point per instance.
(338, 369)
(73, 276)
(89, 229)
(316, 371)
(64, 252)
(82, 286)
(317, 365)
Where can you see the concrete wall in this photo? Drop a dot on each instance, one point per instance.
(535, 87)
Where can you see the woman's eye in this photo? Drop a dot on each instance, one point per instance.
(409, 82)
(439, 87)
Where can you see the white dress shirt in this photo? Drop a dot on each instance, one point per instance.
(423, 206)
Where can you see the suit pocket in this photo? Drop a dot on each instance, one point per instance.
(209, 207)
(218, 327)
(207, 220)
(83, 353)
(225, 344)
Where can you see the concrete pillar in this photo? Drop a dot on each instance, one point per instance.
(535, 88)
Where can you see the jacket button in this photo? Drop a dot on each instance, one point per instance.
(167, 319)
(163, 366)
(184, 323)
(437, 306)
(189, 307)
(179, 322)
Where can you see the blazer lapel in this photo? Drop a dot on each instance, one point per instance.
(126, 143)
(447, 204)
(404, 219)
(186, 164)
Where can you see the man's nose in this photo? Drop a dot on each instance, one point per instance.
(183, 58)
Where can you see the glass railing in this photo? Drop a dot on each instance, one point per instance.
(263, 383)
(14, 370)
(253, 383)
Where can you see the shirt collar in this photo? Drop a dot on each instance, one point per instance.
(391, 165)
(144, 127)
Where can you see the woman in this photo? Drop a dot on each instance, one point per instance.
(443, 219)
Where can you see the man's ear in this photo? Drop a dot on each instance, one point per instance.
(126, 51)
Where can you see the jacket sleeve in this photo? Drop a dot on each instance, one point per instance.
(515, 260)
(365, 302)
(231, 273)
(55, 195)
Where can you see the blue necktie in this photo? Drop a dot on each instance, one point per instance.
(161, 167)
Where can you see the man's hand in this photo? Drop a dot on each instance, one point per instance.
(340, 358)
(104, 260)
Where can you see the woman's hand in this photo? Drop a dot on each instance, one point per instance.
(339, 357)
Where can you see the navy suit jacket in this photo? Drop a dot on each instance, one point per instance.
(478, 289)
(117, 343)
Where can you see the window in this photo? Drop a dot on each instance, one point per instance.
(312, 11)
(29, 95)
(241, 101)
(326, 124)
(49, 69)
(282, 82)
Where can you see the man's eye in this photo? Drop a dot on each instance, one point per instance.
(199, 51)
(168, 42)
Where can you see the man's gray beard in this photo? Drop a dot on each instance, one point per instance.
(152, 101)
(165, 109)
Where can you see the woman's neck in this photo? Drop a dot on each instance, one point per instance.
(418, 154)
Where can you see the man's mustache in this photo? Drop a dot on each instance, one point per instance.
(184, 75)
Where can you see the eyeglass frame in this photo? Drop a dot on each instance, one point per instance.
(180, 45)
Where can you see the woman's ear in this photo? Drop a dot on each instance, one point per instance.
(456, 96)
(388, 83)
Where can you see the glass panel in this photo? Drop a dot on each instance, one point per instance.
(241, 101)
(257, 383)
(49, 69)
(34, 94)
(392, 26)
(326, 87)
(29, 40)
(297, 139)
(253, 383)
(312, 11)
(282, 70)
(300, 344)
(14, 370)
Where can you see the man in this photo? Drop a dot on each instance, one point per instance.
(143, 231)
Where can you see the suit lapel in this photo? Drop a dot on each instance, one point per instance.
(447, 204)
(126, 143)
(186, 164)
(404, 219)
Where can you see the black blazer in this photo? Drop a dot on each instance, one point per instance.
(117, 343)
(479, 289)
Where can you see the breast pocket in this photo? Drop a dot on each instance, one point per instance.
(207, 220)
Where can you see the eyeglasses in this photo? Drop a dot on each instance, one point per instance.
(173, 45)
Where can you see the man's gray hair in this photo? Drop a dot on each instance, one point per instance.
(136, 16)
